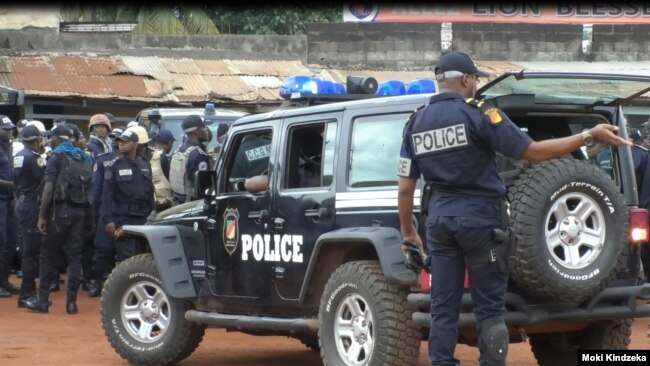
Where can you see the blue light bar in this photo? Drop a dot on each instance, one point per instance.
(325, 86)
(419, 86)
(339, 88)
(209, 108)
(302, 84)
(391, 87)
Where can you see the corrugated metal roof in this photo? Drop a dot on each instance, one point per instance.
(155, 79)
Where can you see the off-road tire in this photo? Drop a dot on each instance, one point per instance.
(180, 338)
(361, 285)
(608, 335)
(537, 198)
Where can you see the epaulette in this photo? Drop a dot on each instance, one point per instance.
(410, 119)
(111, 162)
(492, 113)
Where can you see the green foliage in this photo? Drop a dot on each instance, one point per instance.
(287, 20)
(158, 20)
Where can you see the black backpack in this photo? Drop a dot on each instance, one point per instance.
(73, 184)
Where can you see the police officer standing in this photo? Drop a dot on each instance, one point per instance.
(29, 167)
(188, 159)
(164, 141)
(127, 197)
(65, 203)
(104, 254)
(466, 204)
(7, 213)
(100, 142)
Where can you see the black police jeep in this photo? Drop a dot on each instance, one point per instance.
(218, 120)
(316, 255)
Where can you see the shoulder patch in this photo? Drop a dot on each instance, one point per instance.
(493, 116)
(18, 161)
(111, 162)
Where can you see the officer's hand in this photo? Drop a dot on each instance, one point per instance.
(414, 239)
(42, 224)
(110, 229)
(606, 134)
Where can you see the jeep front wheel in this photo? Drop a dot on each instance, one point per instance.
(142, 323)
(366, 320)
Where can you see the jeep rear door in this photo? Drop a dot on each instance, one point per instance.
(304, 204)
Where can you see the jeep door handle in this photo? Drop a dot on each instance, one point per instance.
(258, 215)
(316, 212)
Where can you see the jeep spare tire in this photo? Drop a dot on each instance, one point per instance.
(570, 221)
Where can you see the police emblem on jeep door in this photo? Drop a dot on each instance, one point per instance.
(230, 229)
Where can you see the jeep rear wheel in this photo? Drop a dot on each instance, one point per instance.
(365, 320)
(142, 323)
(570, 222)
(561, 349)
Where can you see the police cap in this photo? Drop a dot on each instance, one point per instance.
(5, 123)
(635, 134)
(192, 122)
(30, 133)
(59, 120)
(128, 135)
(117, 131)
(164, 135)
(110, 116)
(76, 132)
(456, 64)
(62, 131)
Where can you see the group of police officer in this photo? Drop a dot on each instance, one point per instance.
(69, 196)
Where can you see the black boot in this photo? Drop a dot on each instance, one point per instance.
(71, 302)
(95, 289)
(4, 293)
(24, 297)
(8, 286)
(40, 303)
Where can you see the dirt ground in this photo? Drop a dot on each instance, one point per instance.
(59, 339)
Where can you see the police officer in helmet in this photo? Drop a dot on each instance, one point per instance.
(452, 143)
(64, 206)
(127, 197)
(188, 159)
(99, 141)
(29, 167)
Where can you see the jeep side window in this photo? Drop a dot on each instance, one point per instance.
(249, 158)
(310, 159)
(374, 153)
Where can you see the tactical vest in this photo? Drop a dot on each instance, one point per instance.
(73, 184)
(162, 191)
(177, 179)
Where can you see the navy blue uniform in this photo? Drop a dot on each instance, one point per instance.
(98, 147)
(452, 145)
(29, 168)
(8, 234)
(65, 231)
(642, 172)
(104, 255)
(127, 199)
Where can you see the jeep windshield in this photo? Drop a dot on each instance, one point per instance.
(567, 88)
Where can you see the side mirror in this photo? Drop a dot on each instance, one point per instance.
(205, 182)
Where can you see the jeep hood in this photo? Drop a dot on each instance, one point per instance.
(568, 87)
(189, 209)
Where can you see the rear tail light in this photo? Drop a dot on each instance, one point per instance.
(639, 226)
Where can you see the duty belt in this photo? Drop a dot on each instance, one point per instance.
(133, 209)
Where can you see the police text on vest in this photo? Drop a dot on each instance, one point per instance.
(439, 139)
(272, 248)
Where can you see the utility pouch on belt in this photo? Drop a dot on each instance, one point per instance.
(415, 261)
(506, 242)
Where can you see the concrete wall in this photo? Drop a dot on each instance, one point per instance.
(38, 15)
(417, 45)
(37, 40)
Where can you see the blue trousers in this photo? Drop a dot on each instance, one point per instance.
(8, 236)
(27, 216)
(450, 239)
(104, 254)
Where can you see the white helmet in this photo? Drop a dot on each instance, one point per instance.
(132, 124)
(38, 124)
(143, 136)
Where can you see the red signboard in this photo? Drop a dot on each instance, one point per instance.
(568, 12)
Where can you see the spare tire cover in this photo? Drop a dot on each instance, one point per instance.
(571, 225)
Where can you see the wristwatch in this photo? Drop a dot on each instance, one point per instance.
(587, 138)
